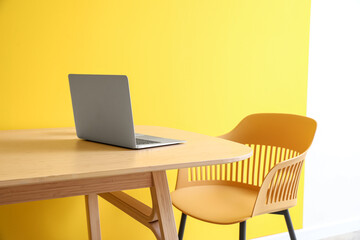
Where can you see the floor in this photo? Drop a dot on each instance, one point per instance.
(348, 236)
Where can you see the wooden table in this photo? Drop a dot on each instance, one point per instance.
(53, 163)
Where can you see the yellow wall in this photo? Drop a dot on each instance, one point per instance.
(194, 65)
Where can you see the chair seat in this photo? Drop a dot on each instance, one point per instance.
(221, 204)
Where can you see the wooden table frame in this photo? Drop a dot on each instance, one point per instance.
(44, 164)
(159, 219)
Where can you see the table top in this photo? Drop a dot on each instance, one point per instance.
(48, 155)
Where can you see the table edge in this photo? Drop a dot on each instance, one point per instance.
(61, 178)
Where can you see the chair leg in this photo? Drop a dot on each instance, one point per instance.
(288, 222)
(182, 226)
(242, 233)
(289, 225)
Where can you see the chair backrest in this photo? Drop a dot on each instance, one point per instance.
(274, 138)
(275, 129)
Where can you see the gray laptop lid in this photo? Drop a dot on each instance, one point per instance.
(102, 108)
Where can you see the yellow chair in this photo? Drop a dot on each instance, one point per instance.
(265, 183)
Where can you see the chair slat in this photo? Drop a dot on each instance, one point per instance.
(253, 164)
(226, 171)
(279, 185)
(284, 184)
(292, 181)
(297, 176)
(270, 158)
(265, 163)
(281, 155)
(259, 166)
(298, 168)
(274, 187)
(237, 171)
(243, 171)
(288, 183)
(297, 179)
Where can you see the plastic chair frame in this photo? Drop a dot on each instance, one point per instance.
(278, 187)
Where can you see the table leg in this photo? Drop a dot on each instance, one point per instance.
(160, 218)
(92, 212)
(162, 205)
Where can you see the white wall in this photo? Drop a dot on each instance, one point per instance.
(332, 171)
(332, 168)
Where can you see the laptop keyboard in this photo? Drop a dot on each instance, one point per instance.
(143, 141)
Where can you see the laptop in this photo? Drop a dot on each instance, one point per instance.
(102, 112)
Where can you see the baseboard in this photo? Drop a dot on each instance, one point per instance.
(319, 232)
